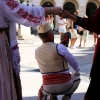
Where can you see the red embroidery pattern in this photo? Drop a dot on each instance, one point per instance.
(14, 47)
(12, 4)
(31, 18)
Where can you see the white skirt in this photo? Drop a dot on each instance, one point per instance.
(62, 30)
(73, 33)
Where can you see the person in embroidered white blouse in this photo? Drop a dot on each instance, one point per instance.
(11, 12)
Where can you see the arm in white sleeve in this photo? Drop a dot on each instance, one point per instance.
(22, 14)
(69, 57)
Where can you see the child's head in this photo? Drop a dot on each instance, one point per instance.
(76, 11)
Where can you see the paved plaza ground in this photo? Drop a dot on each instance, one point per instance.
(30, 75)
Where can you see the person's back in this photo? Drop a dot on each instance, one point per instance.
(10, 13)
(53, 62)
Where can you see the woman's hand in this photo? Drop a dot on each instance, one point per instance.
(77, 74)
(66, 14)
(56, 10)
(73, 73)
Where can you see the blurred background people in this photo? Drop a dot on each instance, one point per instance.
(76, 12)
(84, 36)
(50, 20)
(74, 36)
(96, 36)
(61, 27)
(66, 36)
(73, 30)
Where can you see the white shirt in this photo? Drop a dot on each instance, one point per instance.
(63, 21)
(12, 10)
(69, 57)
(62, 50)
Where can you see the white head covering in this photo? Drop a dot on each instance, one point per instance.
(43, 27)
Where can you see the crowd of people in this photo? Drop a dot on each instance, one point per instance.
(66, 26)
(69, 32)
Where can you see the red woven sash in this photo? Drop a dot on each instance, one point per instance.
(56, 79)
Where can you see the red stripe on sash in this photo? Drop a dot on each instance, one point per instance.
(56, 79)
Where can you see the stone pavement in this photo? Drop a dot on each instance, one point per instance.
(30, 75)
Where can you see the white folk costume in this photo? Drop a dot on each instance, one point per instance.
(11, 12)
(53, 60)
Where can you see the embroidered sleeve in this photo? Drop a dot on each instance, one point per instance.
(22, 14)
(15, 57)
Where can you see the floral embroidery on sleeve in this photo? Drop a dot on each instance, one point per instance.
(31, 18)
(12, 4)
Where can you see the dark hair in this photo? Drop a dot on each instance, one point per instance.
(76, 10)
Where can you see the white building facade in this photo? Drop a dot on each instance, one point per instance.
(85, 7)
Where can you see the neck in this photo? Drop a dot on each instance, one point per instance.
(47, 41)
